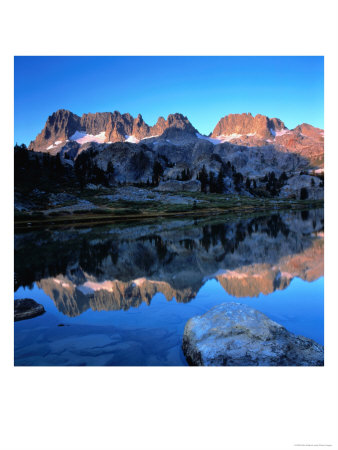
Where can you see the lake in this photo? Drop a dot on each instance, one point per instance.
(120, 295)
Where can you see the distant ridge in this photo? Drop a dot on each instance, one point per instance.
(238, 129)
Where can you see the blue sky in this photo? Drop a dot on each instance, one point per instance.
(202, 88)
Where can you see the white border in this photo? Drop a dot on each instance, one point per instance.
(174, 408)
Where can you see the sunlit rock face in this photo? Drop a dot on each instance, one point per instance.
(63, 125)
(245, 129)
(246, 124)
(120, 268)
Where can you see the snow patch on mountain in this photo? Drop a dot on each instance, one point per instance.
(150, 137)
(54, 145)
(132, 139)
(81, 137)
(281, 132)
(228, 137)
(219, 139)
(206, 138)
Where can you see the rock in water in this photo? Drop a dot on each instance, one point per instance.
(233, 334)
(27, 308)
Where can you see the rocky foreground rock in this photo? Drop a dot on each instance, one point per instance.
(27, 308)
(233, 334)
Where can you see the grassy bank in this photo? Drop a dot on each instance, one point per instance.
(109, 211)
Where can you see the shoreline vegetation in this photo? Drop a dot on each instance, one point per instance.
(97, 208)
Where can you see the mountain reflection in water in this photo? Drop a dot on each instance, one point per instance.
(120, 267)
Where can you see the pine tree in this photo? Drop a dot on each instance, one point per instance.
(220, 181)
(110, 171)
(157, 172)
(212, 183)
(203, 178)
(238, 180)
(304, 193)
(283, 177)
(58, 165)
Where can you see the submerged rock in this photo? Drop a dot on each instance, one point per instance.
(27, 308)
(233, 334)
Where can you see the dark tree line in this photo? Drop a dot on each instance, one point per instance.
(211, 181)
(157, 173)
(38, 170)
(185, 175)
(87, 171)
(273, 184)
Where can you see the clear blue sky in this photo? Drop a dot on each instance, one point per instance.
(202, 88)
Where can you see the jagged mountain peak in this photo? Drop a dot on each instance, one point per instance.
(247, 124)
(63, 125)
(239, 129)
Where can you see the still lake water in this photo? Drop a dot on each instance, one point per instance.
(122, 294)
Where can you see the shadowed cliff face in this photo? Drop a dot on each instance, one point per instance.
(118, 267)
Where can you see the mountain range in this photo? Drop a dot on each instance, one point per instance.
(64, 127)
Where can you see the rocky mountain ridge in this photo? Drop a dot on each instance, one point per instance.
(64, 129)
(239, 124)
(63, 126)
